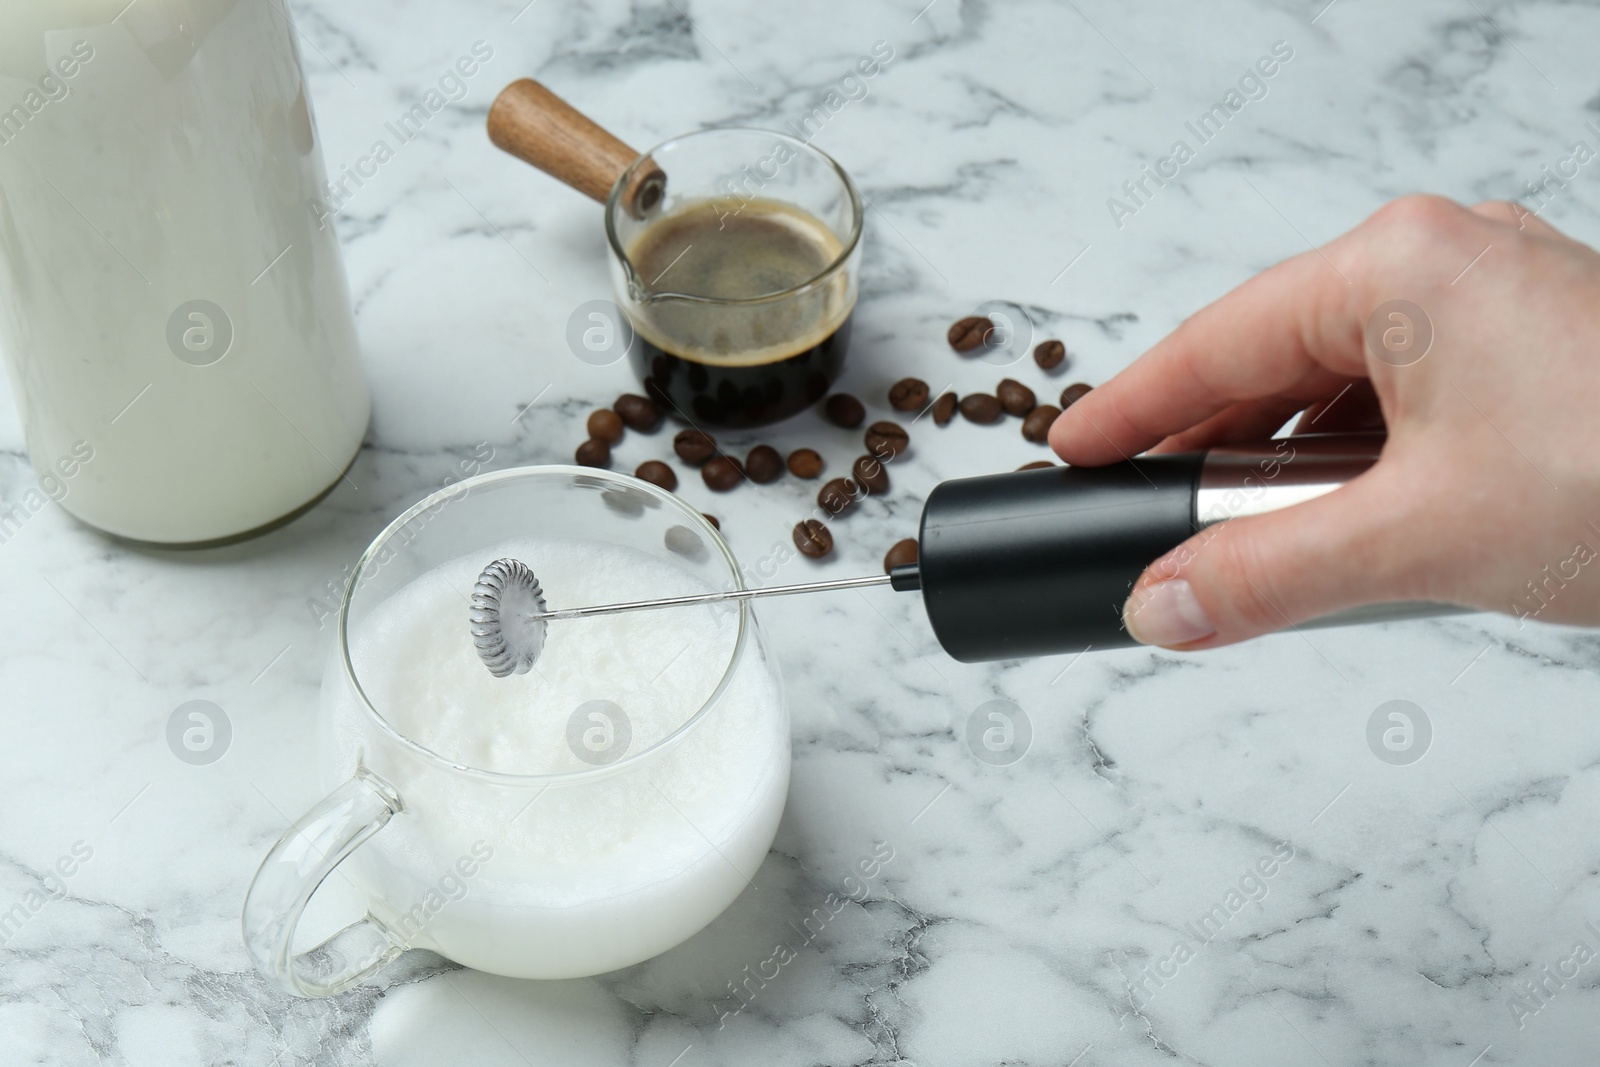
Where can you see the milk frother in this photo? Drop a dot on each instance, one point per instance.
(1028, 563)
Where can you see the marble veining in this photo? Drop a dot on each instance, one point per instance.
(1104, 899)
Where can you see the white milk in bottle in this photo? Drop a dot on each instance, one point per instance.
(170, 304)
(544, 878)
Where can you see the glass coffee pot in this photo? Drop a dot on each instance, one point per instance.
(734, 257)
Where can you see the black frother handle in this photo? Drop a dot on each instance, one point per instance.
(1036, 563)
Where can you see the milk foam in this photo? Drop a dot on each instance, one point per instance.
(416, 661)
(583, 878)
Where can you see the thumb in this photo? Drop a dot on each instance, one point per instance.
(1252, 575)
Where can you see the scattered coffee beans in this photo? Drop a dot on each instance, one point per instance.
(639, 413)
(838, 496)
(657, 473)
(969, 333)
(623, 502)
(981, 408)
(805, 463)
(813, 539)
(712, 519)
(606, 425)
(594, 453)
(1049, 354)
(1015, 397)
(887, 440)
(1036, 427)
(908, 394)
(871, 474)
(694, 447)
(721, 473)
(902, 553)
(1074, 393)
(842, 409)
(685, 542)
(763, 464)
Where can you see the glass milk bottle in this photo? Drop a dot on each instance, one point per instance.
(173, 310)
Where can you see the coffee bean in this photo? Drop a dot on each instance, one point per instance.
(908, 394)
(969, 333)
(763, 464)
(981, 407)
(694, 447)
(842, 409)
(623, 500)
(1036, 427)
(712, 519)
(1074, 393)
(944, 409)
(1036, 465)
(1015, 397)
(871, 474)
(606, 425)
(657, 473)
(594, 453)
(721, 473)
(838, 496)
(685, 542)
(902, 553)
(1049, 354)
(640, 413)
(805, 463)
(813, 539)
(887, 440)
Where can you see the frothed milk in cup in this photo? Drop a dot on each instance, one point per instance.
(569, 879)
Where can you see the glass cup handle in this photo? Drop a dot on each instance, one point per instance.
(306, 854)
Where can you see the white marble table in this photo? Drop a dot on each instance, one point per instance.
(1033, 913)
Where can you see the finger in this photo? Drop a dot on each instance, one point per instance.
(1250, 576)
(1294, 330)
(1355, 409)
(1514, 214)
(1250, 420)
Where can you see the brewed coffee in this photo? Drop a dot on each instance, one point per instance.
(746, 321)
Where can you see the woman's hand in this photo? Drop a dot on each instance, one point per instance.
(1487, 493)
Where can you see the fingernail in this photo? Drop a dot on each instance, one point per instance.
(1166, 613)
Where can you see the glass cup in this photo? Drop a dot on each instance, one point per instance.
(751, 206)
(619, 854)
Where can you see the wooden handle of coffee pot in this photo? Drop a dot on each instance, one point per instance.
(539, 127)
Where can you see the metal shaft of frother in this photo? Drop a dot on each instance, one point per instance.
(712, 598)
